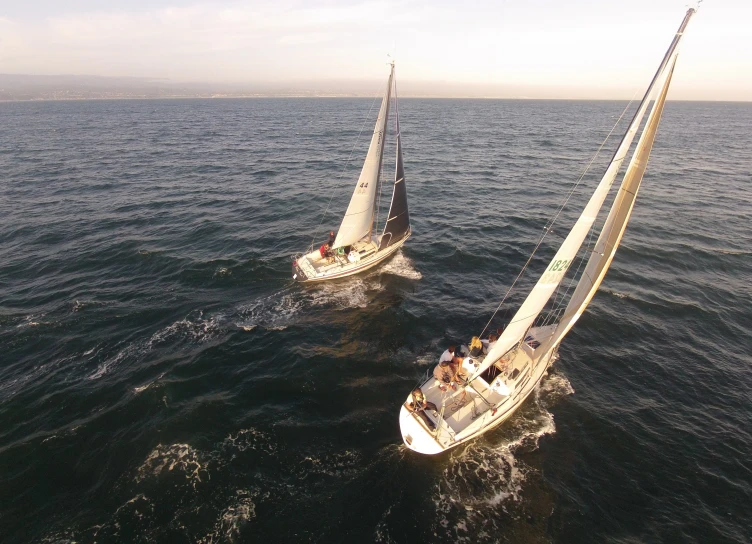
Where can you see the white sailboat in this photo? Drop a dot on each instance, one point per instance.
(358, 246)
(495, 386)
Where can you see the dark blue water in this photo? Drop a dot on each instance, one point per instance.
(161, 379)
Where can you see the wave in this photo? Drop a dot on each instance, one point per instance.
(616, 293)
(249, 439)
(222, 271)
(34, 320)
(193, 330)
(177, 459)
(142, 388)
(232, 520)
(188, 470)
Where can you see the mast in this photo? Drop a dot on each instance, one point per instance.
(398, 219)
(381, 151)
(554, 273)
(358, 220)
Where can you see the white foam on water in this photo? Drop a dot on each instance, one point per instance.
(177, 458)
(62, 537)
(33, 320)
(347, 293)
(222, 271)
(553, 387)
(346, 463)
(146, 386)
(278, 310)
(91, 351)
(249, 439)
(134, 513)
(381, 533)
(130, 351)
(427, 359)
(399, 265)
(134, 504)
(196, 330)
(480, 480)
(270, 312)
(617, 294)
(233, 518)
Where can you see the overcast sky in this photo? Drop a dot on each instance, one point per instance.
(553, 48)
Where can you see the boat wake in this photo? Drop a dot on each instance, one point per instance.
(483, 483)
(192, 330)
(279, 310)
(399, 265)
(275, 312)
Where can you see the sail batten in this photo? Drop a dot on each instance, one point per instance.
(358, 220)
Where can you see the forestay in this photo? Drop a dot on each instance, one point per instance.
(549, 281)
(358, 219)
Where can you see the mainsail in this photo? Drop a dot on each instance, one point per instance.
(398, 220)
(358, 219)
(549, 281)
(613, 228)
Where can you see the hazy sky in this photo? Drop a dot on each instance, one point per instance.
(573, 48)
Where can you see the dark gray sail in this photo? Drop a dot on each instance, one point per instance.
(398, 222)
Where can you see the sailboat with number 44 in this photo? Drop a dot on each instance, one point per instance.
(487, 390)
(358, 244)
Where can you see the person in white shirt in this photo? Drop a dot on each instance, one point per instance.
(448, 355)
(449, 370)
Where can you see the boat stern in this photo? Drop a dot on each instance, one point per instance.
(415, 434)
(297, 271)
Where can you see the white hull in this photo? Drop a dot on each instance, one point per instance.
(312, 267)
(466, 415)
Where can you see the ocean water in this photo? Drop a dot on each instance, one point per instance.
(163, 380)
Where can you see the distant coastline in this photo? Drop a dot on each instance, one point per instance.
(36, 88)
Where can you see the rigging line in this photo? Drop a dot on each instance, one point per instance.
(556, 215)
(559, 297)
(558, 304)
(606, 247)
(342, 173)
(581, 259)
(380, 181)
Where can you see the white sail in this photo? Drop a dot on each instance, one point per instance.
(358, 219)
(549, 281)
(614, 227)
(554, 273)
